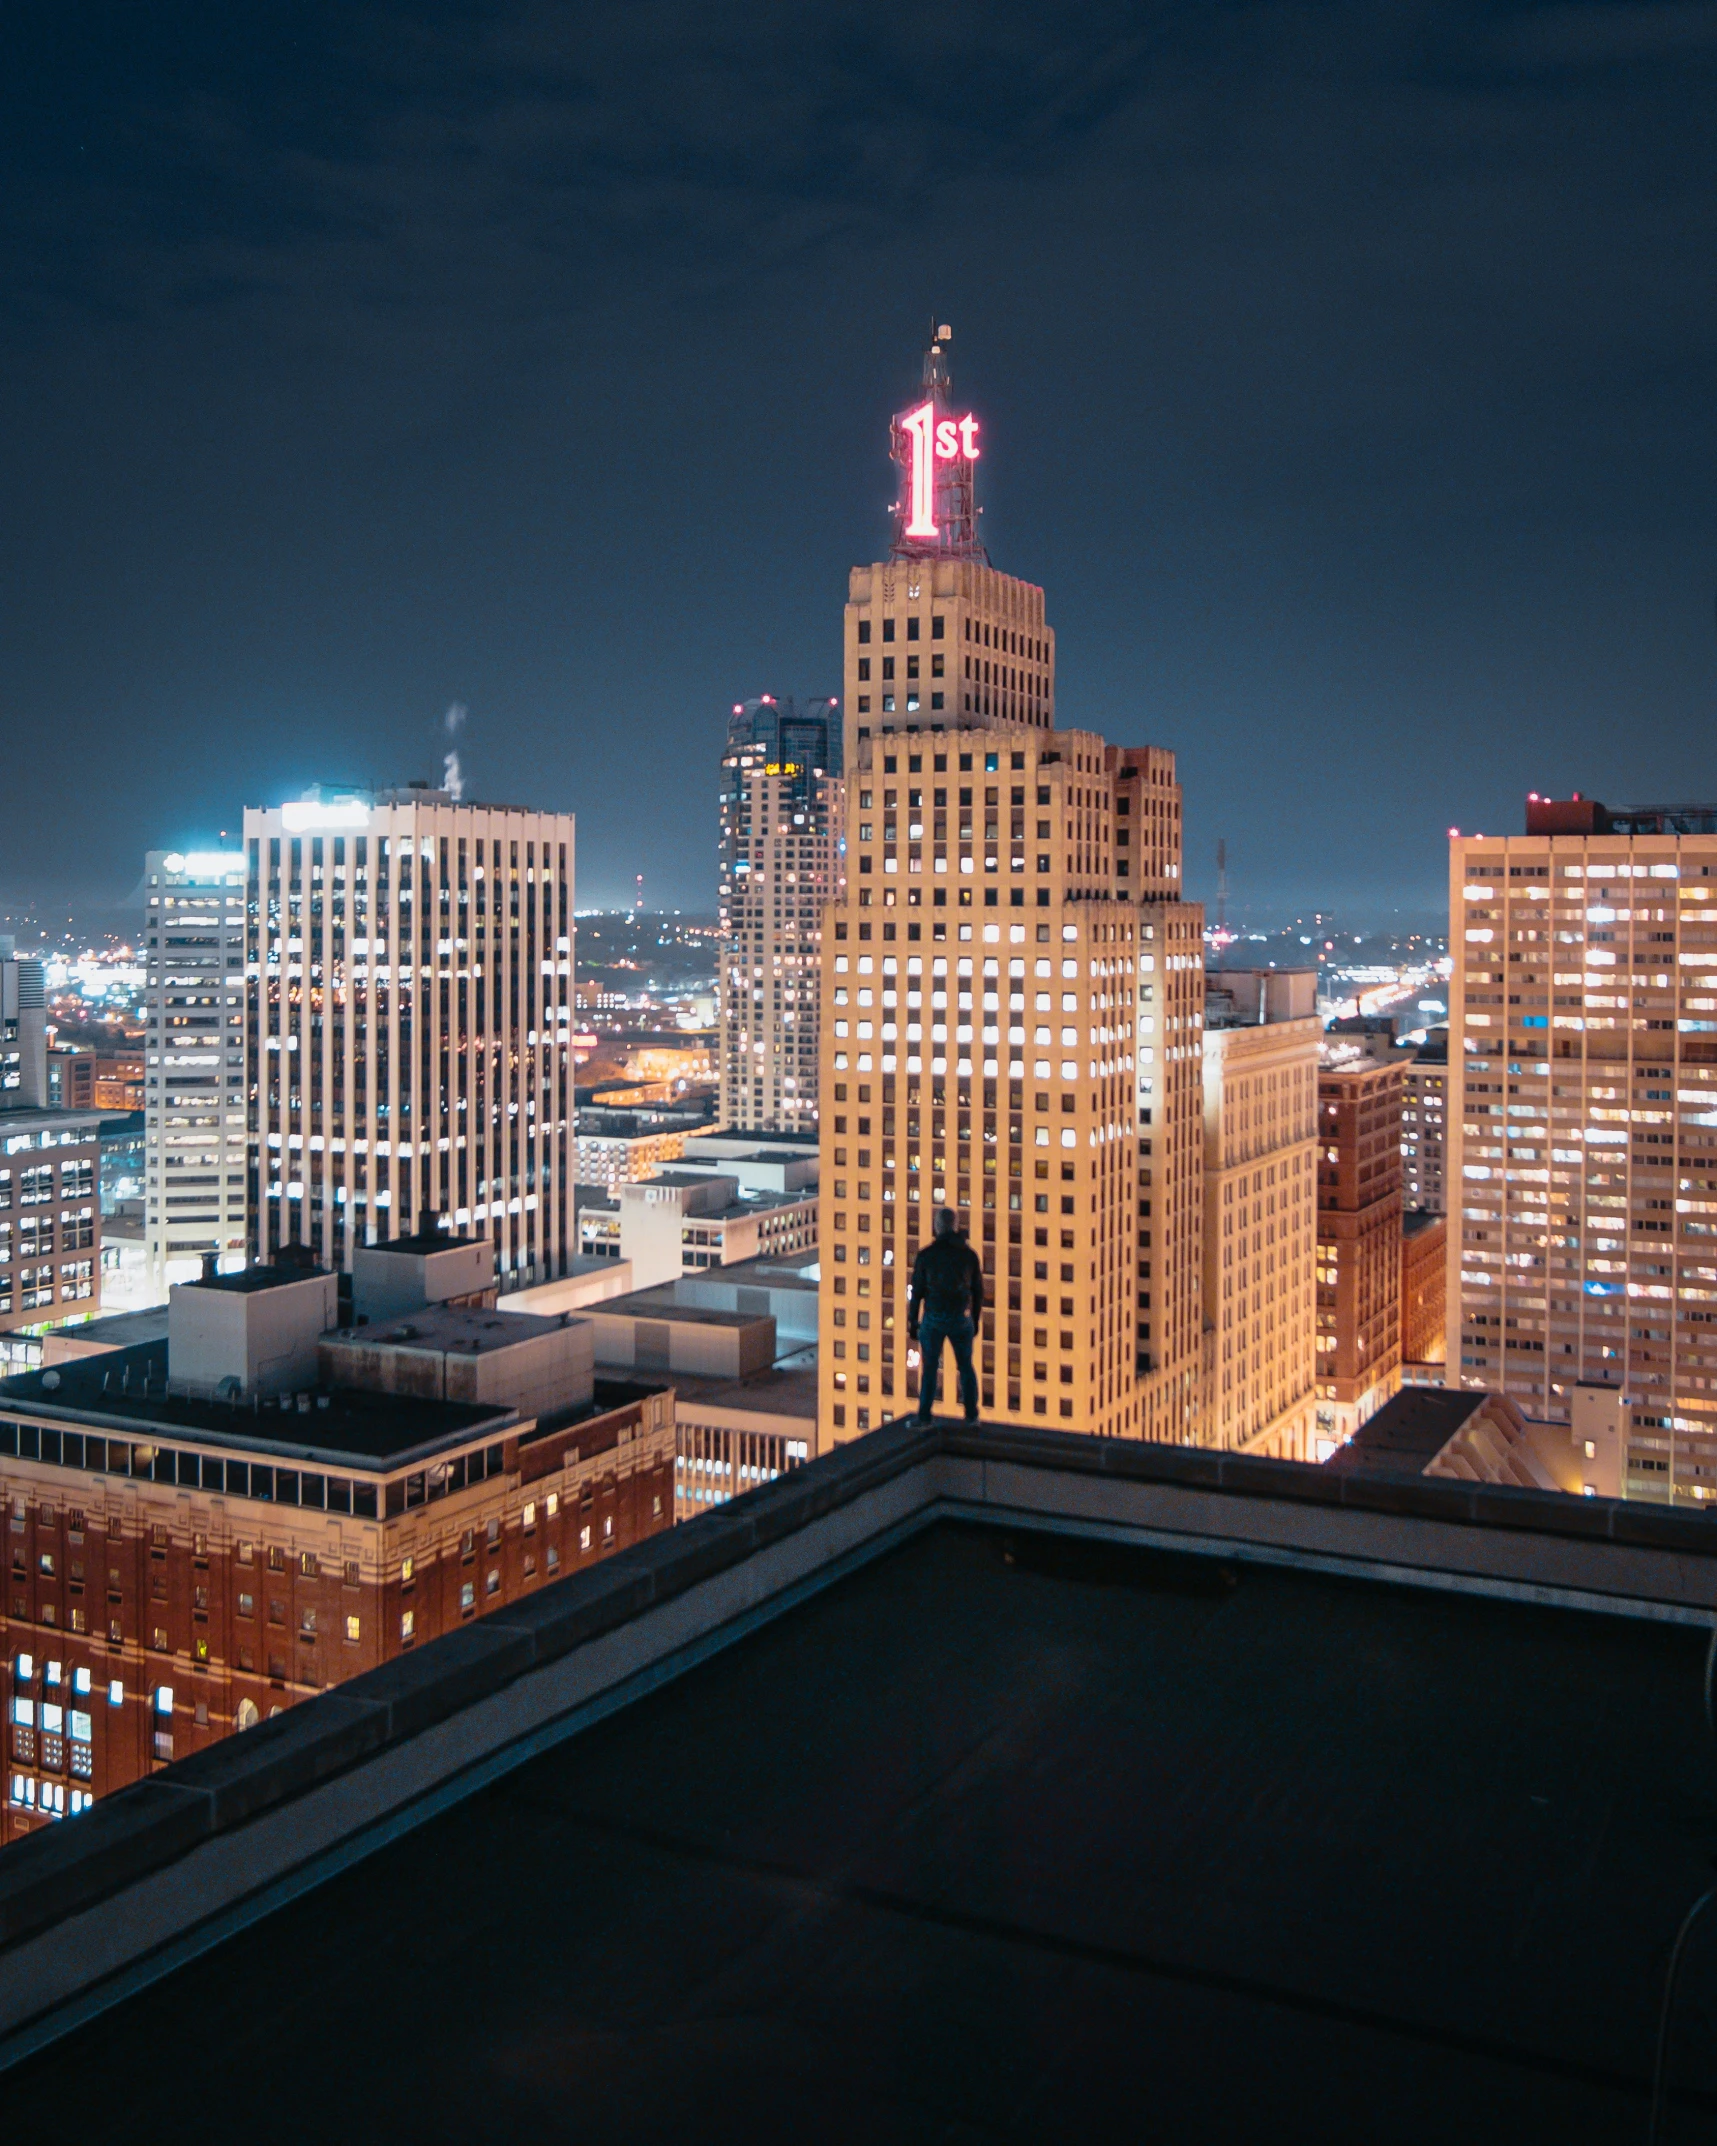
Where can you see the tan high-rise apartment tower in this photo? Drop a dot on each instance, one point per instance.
(1582, 1148)
(1260, 1213)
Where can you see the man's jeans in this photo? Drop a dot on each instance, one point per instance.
(958, 1333)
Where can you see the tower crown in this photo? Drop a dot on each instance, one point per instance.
(936, 514)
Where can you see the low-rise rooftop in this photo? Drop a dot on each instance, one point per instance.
(788, 1388)
(1407, 1432)
(123, 1395)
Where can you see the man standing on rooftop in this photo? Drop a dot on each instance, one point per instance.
(946, 1301)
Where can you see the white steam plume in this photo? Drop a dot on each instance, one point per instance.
(452, 775)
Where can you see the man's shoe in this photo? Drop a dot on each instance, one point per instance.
(974, 1417)
(922, 1418)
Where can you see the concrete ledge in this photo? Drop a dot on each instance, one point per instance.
(121, 1839)
(1435, 1498)
(573, 1611)
(102, 1895)
(281, 1757)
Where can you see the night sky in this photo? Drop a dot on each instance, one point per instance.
(1346, 375)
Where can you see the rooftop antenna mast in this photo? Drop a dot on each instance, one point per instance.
(1221, 885)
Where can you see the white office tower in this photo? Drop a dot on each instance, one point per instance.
(194, 1064)
(410, 990)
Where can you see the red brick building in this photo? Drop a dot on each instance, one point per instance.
(1359, 1243)
(188, 1553)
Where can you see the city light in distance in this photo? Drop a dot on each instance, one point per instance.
(311, 816)
(204, 863)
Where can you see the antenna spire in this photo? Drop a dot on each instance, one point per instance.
(938, 378)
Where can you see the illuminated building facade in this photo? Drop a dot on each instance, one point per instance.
(1424, 1264)
(409, 1021)
(1425, 1125)
(1171, 1222)
(195, 1085)
(1359, 1243)
(1583, 1139)
(780, 818)
(50, 1217)
(190, 1555)
(982, 983)
(50, 1174)
(1260, 1100)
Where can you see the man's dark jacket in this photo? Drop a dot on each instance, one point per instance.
(947, 1281)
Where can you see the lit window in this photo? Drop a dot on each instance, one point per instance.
(584, 1538)
(551, 1505)
(467, 1598)
(163, 1698)
(407, 1567)
(530, 1518)
(407, 1625)
(26, 1668)
(80, 1682)
(116, 1693)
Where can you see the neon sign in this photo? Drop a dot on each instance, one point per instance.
(933, 440)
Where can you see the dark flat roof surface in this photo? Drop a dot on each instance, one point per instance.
(785, 1389)
(355, 1429)
(1097, 1844)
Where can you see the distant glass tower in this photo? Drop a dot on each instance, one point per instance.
(780, 813)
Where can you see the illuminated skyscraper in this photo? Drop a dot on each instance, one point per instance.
(409, 979)
(194, 1064)
(1582, 1148)
(1260, 1212)
(983, 977)
(780, 798)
